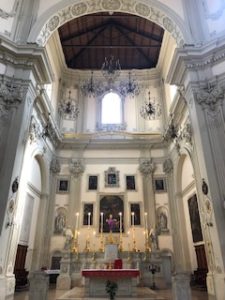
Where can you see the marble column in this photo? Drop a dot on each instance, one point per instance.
(181, 286)
(206, 105)
(54, 171)
(76, 169)
(147, 168)
(39, 283)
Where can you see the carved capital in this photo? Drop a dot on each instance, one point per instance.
(146, 167)
(55, 165)
(76, 168)
(11, 92)
(209, 96)
(186, 133)
(168, 166)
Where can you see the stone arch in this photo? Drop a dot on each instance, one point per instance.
(65, 11)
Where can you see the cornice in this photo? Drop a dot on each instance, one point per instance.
(195, 57)
(27, 57)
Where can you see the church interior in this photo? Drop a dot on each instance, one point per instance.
(112, 147)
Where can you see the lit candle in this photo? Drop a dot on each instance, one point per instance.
(146, 224)
(132, 218)
(101, 221)
(120, 214)
(89, 219)
(77, 219)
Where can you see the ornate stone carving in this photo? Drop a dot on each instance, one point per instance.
(209, 96)
(146, 167)
(129, 6)
(76, 168)
(186, 133)
(6, 15)
(34, 130)
(168, 166)
(55, 165)
(11, 93)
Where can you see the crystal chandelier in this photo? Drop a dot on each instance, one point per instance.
(91, 88)
(129, 87)
(150, 110)
(69, 108)
(111, 69)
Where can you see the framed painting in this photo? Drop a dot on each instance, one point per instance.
(111, 177)
(160, 185)
(88, 210)
(130, 183)
(63, 185)
(111, 206)
(92, 182)
(135, 209)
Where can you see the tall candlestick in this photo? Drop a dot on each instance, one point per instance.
(146, 224)
(132, 218)
(101, 221)
(89, 219)
(77, 219)
(120, 214)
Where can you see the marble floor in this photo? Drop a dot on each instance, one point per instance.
(143, 293)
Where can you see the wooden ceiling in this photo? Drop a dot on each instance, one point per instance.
(87, 40)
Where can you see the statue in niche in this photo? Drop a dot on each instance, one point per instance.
(69, 235)
(162, 221)
(60, 222)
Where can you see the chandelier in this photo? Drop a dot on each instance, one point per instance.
(91, 88)
(111, 69)
(150, 110)
(69, 108)
(129, 87)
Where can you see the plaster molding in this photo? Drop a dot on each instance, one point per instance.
(146, 166)
(65, 11)
(209, 96)
(76, 168)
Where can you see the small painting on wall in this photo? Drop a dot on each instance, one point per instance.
(159, 185)
(130, 183)
(63, 185)
(92, 182)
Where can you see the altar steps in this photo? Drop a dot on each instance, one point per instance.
(144, 293)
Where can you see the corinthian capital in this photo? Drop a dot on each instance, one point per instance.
(146, 167)
(76, 168)
(209, 95)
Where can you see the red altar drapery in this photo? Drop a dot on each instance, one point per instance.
(112, 273)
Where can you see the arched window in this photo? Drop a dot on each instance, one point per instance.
(111, 112)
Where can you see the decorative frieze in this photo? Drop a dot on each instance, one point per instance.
(76, 168)
(139, 8)
(34, 130)
(146, 167)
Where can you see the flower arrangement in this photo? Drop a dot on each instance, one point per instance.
(111, 288)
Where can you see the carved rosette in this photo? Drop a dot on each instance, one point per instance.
(55, 165)
(209, 96)
(146, 167)
(168, 166)
(76, 168)
(145, 10)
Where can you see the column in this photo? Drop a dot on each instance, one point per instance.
(206, 107)
(147, 168)
(76, 169)
(54, 171)
(16, 98)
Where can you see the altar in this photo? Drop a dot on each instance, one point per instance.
(95, 281)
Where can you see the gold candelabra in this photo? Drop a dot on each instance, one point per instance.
(101, 249)
(134, 240)
(75, 242)
(147, 246)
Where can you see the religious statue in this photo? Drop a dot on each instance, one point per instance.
(69, 236)
(60, 222)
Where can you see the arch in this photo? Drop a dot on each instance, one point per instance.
(65, 11)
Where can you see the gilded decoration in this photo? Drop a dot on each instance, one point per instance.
(92, 6)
